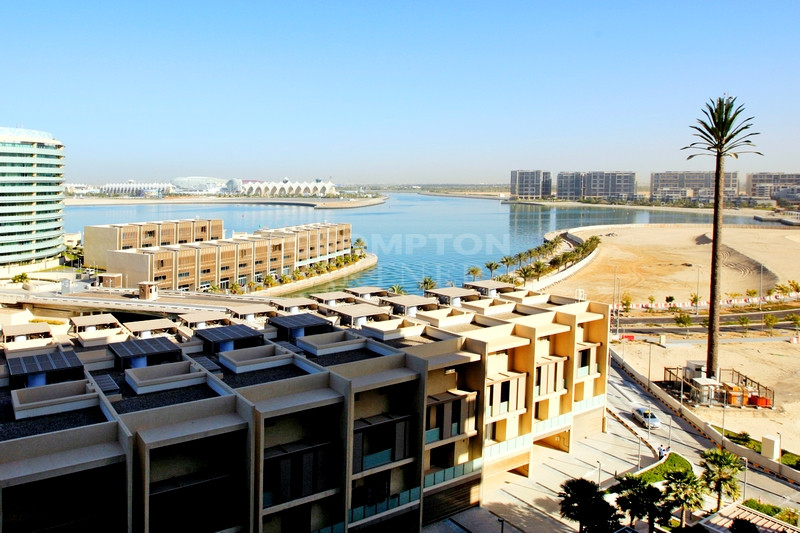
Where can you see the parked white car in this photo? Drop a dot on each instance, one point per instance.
(646, 417)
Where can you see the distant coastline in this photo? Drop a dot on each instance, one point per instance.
(746, 211)
(316, 203)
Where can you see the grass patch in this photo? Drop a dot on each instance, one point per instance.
(673, 463)
(743, 439)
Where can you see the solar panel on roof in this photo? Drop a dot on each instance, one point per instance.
(47, 362)
(139, 347)
(227, 333)
(298, 321)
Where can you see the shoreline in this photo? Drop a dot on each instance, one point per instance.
(321, 203)
(743, 211)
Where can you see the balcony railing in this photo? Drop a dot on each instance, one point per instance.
(432, 435)
(336, 528)
(589, 403)
(373, 460)
(392, 502)
(584, 371)
(506, 446)
(453, 472)
(559, 421)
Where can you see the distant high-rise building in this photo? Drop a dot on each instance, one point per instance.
(531, 184)
(664, 184)
(32, 203)
(768, 184)
(596, 184)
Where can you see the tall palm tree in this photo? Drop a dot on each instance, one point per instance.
(720, 468)
(474, 271)
(507, 261)
(685, 490)
(722, 134)
(491, 266)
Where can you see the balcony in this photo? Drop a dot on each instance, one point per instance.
(557, 422)
(380, 440)
(502, 448)
(584, 371)
(589, 403)
(392, 502)
(450, 415)
(454, 472)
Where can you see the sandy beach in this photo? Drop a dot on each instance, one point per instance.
(664, 260)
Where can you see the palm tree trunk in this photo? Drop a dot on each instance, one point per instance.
(712, 359)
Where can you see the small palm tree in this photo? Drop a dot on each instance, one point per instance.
(527, 273)
(491, 266)
(582, 501)
(770, 321)
(474, 271)
(722, 134)
(720, 468)
(427, 283)
(684, 489)
(539, 268)
(397, 289)
(359, 246)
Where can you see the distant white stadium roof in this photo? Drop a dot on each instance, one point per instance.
(197, 182)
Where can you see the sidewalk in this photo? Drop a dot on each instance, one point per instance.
(532, 504)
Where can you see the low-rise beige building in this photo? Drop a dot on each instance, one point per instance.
(295, 425)
(200, 264)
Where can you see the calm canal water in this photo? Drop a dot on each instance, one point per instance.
(413, 235)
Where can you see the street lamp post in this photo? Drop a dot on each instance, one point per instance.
(639, 454)
(649, 360)
(599, 471)
(669, 442)
(744, 487)
(502, 524)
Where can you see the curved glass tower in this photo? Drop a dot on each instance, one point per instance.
(31, 197)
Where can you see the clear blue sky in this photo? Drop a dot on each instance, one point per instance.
(394, 92)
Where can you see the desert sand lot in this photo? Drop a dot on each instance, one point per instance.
(663, 260)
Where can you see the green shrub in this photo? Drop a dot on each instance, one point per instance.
(47, 321)
(766, 508)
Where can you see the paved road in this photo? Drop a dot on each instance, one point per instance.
(688, 441)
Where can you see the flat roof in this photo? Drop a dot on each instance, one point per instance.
(93, 320)
(364, 290)
(228, 333)
(292, 302)
(409, 300)
(453, 292)
(300, 320)
(147, 325)
(203, 316)
(359, 310)
(254, 309)
(333, 295)
(12, 330)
